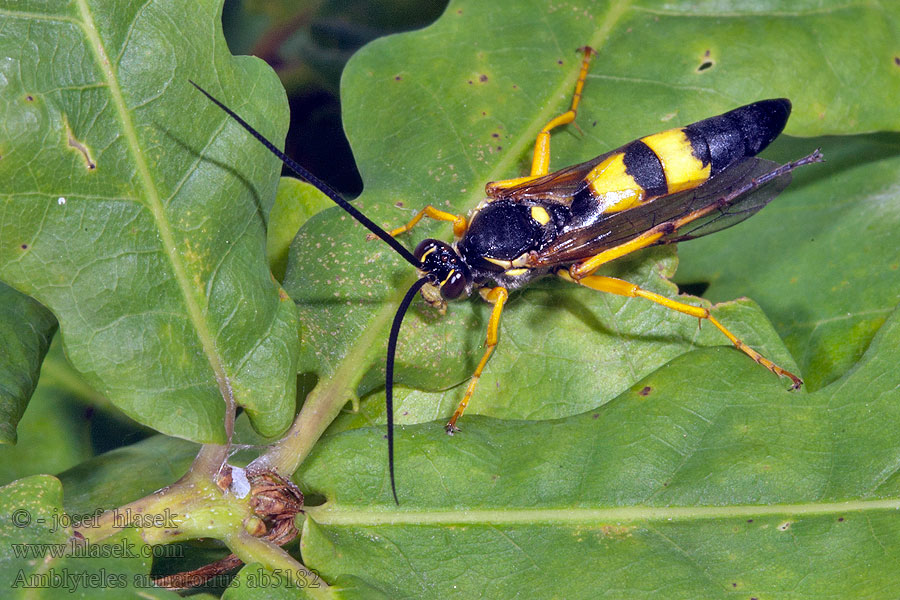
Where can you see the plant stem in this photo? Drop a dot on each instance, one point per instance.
(250, 549)
(322, 406)
(196, 489)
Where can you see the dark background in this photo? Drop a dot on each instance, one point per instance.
(308, 42)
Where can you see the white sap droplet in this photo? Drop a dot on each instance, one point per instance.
(61, 201)
(240, 486)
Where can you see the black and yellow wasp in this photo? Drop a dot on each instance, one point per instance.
(660, 189)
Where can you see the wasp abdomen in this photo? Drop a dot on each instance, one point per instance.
(741, 133)
(678, 159)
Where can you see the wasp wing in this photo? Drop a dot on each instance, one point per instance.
(556, 188)
(733, 195)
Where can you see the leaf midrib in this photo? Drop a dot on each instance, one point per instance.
(325, 515)
(153, 202)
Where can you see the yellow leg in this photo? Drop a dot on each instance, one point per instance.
(583, 269)
(459, 222)
(623, 288)
(496, 296)
(540, 164)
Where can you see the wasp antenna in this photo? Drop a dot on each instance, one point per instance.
(389, 375)
(318, 183)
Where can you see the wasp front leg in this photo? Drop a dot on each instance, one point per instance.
(623, 288)
(496, 296)
(459, 222)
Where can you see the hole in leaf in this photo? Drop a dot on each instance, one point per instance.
(313, 499)
(693, 288)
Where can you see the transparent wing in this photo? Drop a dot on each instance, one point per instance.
(736, 194)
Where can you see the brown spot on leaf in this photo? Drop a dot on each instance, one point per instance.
(398, 78)
(646, 391)
(24, 246)
(840, 519)
(81, 148)
(706, 64)
(29, 98)
(495, 135)
(897, 60)
(482, 78)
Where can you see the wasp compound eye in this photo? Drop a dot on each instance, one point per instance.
(454, 285)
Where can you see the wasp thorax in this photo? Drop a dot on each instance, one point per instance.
(444, 267)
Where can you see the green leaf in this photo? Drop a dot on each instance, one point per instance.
(254, 581)
(26, 329)
(692, 463)
(53, 435)
(126, 474)
(35, 550)
(706, 484)
(295, 202)
(434, 115)
(830, 271)
(135, 210)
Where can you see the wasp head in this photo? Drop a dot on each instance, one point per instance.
(447, 274)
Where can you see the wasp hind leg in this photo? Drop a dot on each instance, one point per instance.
(496, 296)
(540, 164)
(623, 288)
